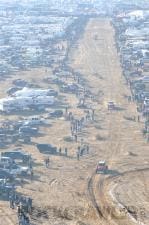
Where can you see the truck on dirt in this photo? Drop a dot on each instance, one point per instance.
(101, 167)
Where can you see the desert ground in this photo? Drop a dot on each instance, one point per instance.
(69, 192)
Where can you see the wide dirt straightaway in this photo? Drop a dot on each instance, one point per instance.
(123, 147)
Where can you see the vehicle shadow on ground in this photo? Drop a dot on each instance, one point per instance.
(113, 172)
(46, 125)
(98, 127)
(58, 154)
(68, 139)
(118, 108)
(39, 135)
(26, 143)
(130, 118)
(27, 178)
(35, 164)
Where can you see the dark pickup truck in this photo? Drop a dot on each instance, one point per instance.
(55, 114)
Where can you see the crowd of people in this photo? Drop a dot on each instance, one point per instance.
(23, 206)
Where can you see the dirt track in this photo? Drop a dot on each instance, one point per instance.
(69, 192)
(124, 147)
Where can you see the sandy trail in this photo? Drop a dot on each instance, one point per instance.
(123, 137)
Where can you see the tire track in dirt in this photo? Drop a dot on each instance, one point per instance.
(92, 195)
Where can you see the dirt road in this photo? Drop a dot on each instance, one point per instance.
(69, 192)
(124, 148)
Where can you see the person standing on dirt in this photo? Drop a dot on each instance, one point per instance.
(17, 199)
(76, 138)
(78, 152)
(86, 117)
(11, 201)
(79, 149)
(22, 219)
(79, 125)
(32, 174)
(72, 130)
(82, 141)
(26, 218)
(78, 156)
(82, 151)
(18, 211)
(138, 118)
(66, 151)
(76, 122)
(93, 114)
(44, 161)
(66, 110)
(30, 164)
(82, 121)
(47, 162)
(60, 150)
(87, 149)
(29, 205)
(129, 98)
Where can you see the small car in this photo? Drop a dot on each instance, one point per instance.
(102, 167)
(28, 130)
(6, 187)
(6, 160)
(15, 169)
(19, 170)
(33, 121)
(111, 105)
(52, 93)
(55, 114)
(4, 174)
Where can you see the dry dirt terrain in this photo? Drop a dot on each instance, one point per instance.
(69, 192)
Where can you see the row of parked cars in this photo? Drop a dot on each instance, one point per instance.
(131, 36)
(13, 164)
(24, 129)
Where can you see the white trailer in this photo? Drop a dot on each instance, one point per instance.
(21, 103)
(29, 92)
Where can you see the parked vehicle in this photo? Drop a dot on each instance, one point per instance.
(12, 90)
(70, 88)
(6, 174)
(15, 169)
(6, 160)
(28, 130)
(33, 121)
(56, 114)
(6, 187)
(111, 105)
(17, 155)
